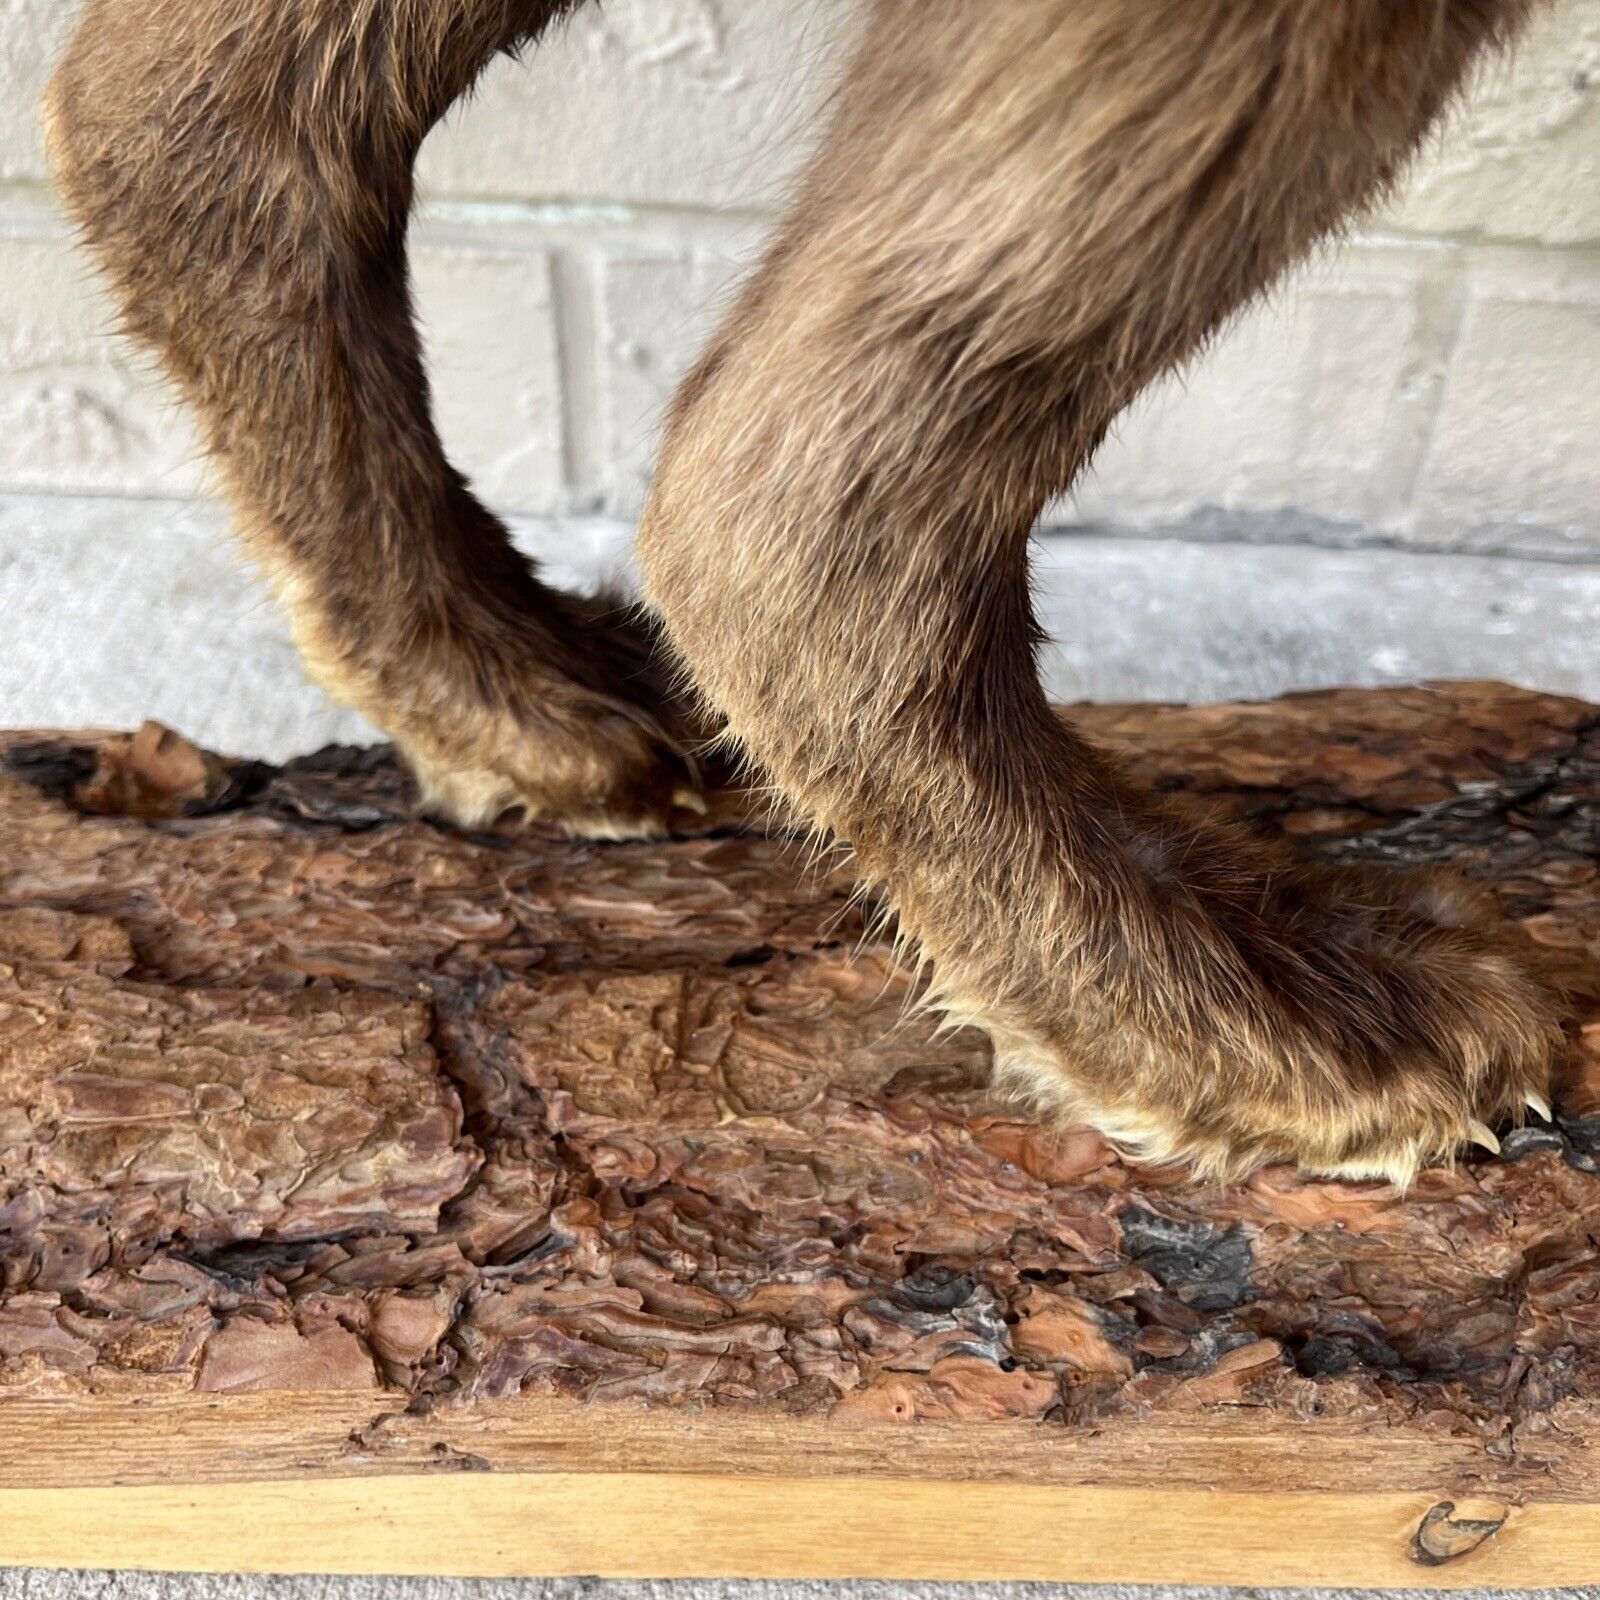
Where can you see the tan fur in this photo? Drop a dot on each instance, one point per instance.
(1024, 212)
(243, 171)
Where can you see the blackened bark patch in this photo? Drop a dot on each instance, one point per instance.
(1575, 1139)
(343, 786)
(1206, 1267)
(53, 766)
(1325, 1355)
(936, 1288)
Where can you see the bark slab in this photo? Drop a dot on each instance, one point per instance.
(301, 1092)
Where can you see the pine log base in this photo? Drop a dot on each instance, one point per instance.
(380, 1198)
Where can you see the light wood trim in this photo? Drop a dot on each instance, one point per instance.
(79, 1441)
(679, 1525)
(534, 1486)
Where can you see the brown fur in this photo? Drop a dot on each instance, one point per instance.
(243, 169)
(1024, 212)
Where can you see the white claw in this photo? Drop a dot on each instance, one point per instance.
(1537, 1102)
(1478, 1133)
(690, 800)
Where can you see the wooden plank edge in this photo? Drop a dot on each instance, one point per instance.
(76, 1442)
(666, 1525)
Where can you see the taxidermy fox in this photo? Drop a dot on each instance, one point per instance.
(1023, 212)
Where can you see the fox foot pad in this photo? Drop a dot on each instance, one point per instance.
(300, 1092)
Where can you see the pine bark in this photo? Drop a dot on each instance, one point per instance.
(301, 1092)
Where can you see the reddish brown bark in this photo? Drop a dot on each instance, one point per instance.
(299, 1092)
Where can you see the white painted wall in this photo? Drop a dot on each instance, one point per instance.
(1438, 382)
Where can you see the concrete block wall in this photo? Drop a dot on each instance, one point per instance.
(1434, 383)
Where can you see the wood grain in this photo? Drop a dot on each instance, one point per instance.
(375, 1197)
(679, 1525)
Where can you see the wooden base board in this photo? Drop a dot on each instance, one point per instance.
(676, 1525)
(535, 1488)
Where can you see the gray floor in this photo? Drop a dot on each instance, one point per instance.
(122, 609)
(118, 610)
(19, 1585)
